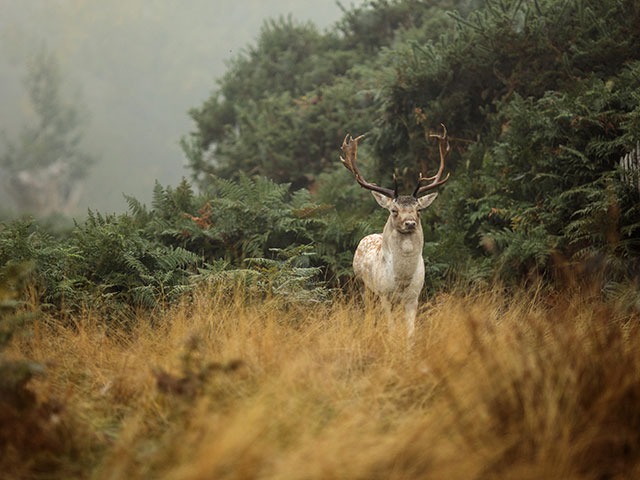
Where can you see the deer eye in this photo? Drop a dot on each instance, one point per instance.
(394, 212)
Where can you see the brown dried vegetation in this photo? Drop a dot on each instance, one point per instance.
(491, 387)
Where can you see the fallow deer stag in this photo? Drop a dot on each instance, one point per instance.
(390, 264)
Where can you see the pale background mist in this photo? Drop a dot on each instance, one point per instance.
(136, 67)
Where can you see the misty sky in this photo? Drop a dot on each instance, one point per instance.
(136, 67)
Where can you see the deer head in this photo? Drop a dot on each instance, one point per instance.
(404, 210)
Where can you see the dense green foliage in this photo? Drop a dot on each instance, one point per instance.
(251, 231)
(540, 97)
(541, 101)
(283, 107)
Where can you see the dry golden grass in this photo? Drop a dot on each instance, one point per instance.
(490, 387)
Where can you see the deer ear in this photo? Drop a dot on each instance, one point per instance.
(383, 201)
(424, 202)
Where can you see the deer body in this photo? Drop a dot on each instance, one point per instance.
(389, 271)
(391, 264)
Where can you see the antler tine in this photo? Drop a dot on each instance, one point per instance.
(349, 150)
(350, 145)
(444, 148)
(444, 133)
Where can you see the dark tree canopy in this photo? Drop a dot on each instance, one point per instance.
(541, 97)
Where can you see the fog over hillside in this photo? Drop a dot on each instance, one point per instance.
(134, 67)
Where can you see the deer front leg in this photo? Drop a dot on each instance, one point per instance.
(410, 311)
(386, 306)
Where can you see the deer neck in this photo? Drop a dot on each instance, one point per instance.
(402, 250)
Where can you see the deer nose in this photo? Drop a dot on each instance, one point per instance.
(409, 224)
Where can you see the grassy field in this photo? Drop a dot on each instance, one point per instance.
(492, 386)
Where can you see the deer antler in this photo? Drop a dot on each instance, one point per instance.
(349, 150)
(443, 146)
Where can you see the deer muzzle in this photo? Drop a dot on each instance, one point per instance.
(409, 226)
